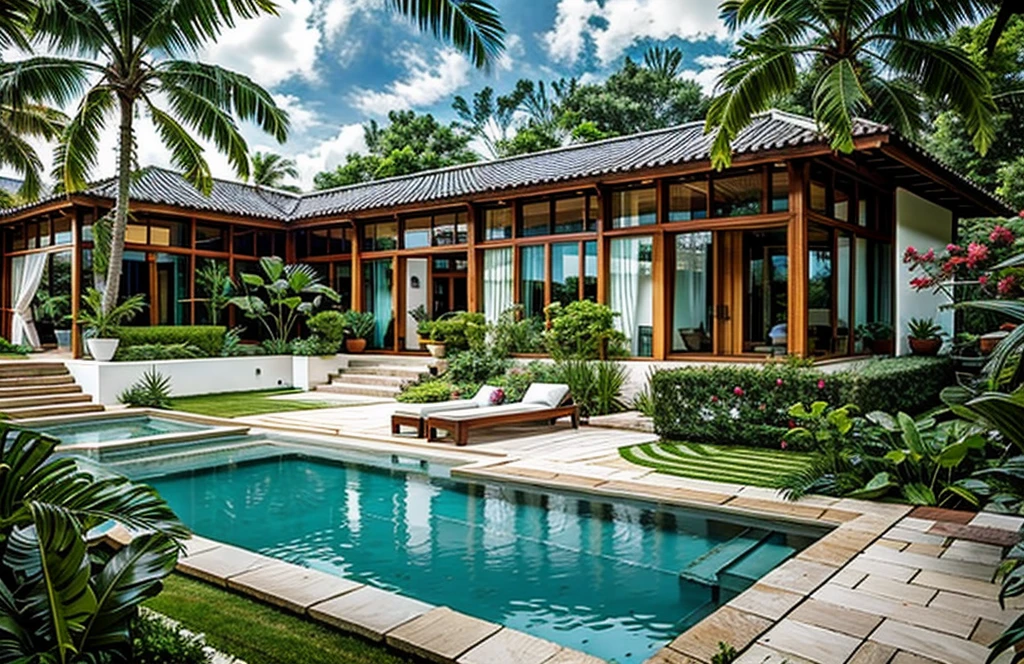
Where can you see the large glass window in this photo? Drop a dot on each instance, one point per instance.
(737, 195)
(498, 295)
(211, 276)
(531, 280)
(536, 219)
(765, 330)
(417, 232)
(634, 207)
(844, 265)
(343, 284)
(861, 294)
(377, 278)
(318, 242)
(688, 200)
(571, 215)
(173, 274)
(590, 271)
(211, 238)
(692, 300)
(340, 240)
(62, 231)
(380, 236)
(780, 190)
(498, 222)
(631, 291)
(565, 272)
(820, 290)
(842, 198)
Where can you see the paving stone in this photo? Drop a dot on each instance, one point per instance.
(899, 545)
(877, 567)
(440, 635)
(777, 507)
(987, 631)
(799, 576)
(894, 510)
(974, 606)
(670, 493)
(835, 618)
(568, 656)
(936, 619)
(735, 627)
(933, 550)
(871, 652)
(974, 552)
(766, 601)
(827, 553)
(759, 654)
(810, 642)
(839, 516)
(984, 534)
(929, 643)
(369, 612)
(290, 586)
(871, 524)
(910, 535)
(668, 656)
(957, 584)
(848, 577)
(880, 585)
(220, 563)
(916, 560)
(904, 657)
(851, 538)
(1001, 521)
(941, 514)
(913, 523)
(194, 545)
(512, 647)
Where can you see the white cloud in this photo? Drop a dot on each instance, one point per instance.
(513, 51)
(329, 153)
(615, 25)
(301, 116)
(424, 83)
(712, 67)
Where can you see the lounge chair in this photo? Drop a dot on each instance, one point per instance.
(415, 414)
(543, 402)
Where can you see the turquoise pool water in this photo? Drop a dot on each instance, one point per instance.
(596, 576)
(121, 428)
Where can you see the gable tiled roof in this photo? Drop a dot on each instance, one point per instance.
(10, 185)
(674, 146)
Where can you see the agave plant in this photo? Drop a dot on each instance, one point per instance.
(281, 297)
(61, 598)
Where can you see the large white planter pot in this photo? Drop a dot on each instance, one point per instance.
(102, 350)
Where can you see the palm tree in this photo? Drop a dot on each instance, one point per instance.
(269, 169)
(876, 57)
(120, 57)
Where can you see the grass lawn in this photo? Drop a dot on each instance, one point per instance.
(238, 404)
(718, 463)
(261, 634)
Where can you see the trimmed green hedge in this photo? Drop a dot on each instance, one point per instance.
(749, 405)
(207, 338)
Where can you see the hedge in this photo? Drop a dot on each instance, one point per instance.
(209, 339)
(749, 405)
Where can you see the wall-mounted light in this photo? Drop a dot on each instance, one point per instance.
(414, 282)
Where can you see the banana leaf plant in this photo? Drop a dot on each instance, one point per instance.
(62, 598)
(281, 296)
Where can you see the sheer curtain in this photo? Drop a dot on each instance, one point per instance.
(690, 308)
(497, 282)
(26, 273)
(380, 300)
(624, 286)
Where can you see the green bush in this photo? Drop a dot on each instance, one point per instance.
(429, 391)
(150, 352)
(517, 379)
(153, 390)
(13, 349)
(208, 338)
(596, 387)
(583, 330)
(157, 641)
(514, 333)
(475, 367)
(314, 345)
(750, 405)
(329, 325)
(460, 331)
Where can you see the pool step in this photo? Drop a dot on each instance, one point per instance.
(41, 389)
(705, 570)
(32, 389)
(49, 411)
(745, 571)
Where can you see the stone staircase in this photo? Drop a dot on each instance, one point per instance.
(381, 377)
(41, 389)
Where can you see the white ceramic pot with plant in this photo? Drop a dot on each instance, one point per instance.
(101, 326)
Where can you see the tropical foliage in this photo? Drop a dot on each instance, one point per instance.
(63, 599)
(583, 330)
(153, 390)
(215, 286)
(271, 170)
(104, 323)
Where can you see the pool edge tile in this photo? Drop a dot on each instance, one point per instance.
(441, 635)
(291, 586)
(368, 611)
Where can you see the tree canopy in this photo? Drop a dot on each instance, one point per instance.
(270, 169)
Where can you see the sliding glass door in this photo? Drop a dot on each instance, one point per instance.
(631, 290)
(693, 294)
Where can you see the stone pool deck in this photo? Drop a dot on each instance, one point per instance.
(889, 584)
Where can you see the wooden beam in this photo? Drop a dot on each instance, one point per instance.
(357, 274)
(474, 263)
(935, 174)
(76, 283)
(797, 242)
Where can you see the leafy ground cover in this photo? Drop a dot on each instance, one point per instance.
(240, 404)
(261, 634)
(717, 463)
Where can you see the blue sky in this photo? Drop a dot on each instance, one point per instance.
(334, 64)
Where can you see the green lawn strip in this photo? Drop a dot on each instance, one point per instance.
(261, 634)
(736, 465)
(240, 404)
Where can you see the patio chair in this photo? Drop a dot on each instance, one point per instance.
(415, 414)
(543, 402)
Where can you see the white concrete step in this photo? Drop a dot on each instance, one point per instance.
(383, 391)
(407, 372)
(369, 379)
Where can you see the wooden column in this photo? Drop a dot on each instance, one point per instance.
(398, 307)
(660, 311)
(474, 264)
(357, 269)
(797, 241)
(604, 204)
(76, 282)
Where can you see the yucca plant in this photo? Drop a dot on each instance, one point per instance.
(62, 599)
(153, 390)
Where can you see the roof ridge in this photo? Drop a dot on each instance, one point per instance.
(254, 187)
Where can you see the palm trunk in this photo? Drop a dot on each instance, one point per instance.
(124, 174)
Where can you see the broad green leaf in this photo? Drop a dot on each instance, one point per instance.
(918, 494)
(878, 486)
(911, 435)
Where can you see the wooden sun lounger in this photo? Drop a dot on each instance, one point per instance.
(459, 423)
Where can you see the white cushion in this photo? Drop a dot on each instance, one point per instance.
(425, 409)
(547, 394)
(483, 396)
(478, 413)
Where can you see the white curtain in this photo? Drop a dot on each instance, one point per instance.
(26, 273)
(498, 286)
(691, 280)
(625, 287)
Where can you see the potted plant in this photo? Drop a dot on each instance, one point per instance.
(423, 324)
(55, 309)
(925, 336)
(101, 326)
(360, 327)
(877, 337)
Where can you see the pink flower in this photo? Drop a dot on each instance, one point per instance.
(778, 381)
(983, 280)
(909, 255)
(976, 253)
(821, 384)
(1001, 235)
(954, 248)
(738, 391)
(714, 398)
(1006, 285)
(1021, 215)
(782, 444)
(921, 283)
(927, 257)
(497, 397)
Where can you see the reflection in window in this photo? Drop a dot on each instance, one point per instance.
(841, 338)
(531, 278)
(692, 294)
(536, 219)
(590, 271)
(343, 284)
(820, 302)
(173, 273)
(765, 328)
(842, 196)
(571, 215)
(737, 195)
(688, 200)
(380, 236)
(498, 223)
(861, 296)
(318, 241)
(780, 190)
(634, 207)
(62, 231)
(211, 238)
(565, 272)
(631, 292)
(417, 232)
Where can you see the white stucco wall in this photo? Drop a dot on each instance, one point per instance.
(414, 297)
(922, 225)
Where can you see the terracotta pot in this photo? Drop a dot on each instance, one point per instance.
(988, 342)
(882, 346)
(355, 346)
(924, 346)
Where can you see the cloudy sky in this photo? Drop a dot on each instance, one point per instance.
(334, 64)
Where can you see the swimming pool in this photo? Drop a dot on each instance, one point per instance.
(106, 429)
(618, 580)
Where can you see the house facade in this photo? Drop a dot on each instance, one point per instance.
(789, 251)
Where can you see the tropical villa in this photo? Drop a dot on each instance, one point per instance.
(790, 251)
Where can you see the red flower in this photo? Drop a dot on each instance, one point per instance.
(782, 444)
(714, 398)
(954, 248)
(921, 283)
(821, 384)
(792, 424)
(1006, 285)
(976, 253)
(909, 255)
(927, 257)
(738, 391)
(778, 381)
(1021, 215)
(983, 280)
(1001, 235)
